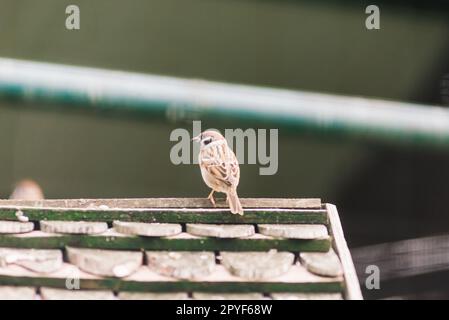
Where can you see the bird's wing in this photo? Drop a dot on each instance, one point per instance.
(224, 168)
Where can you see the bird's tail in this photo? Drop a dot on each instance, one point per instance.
(234, 203)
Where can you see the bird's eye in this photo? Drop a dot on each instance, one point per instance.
(207, 141)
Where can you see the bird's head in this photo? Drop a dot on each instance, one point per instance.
(209, 136)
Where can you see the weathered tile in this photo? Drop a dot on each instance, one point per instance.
(322, 263)
(41, 261)
(65, 294)
(17, 293)
(257, 265)
(148, 229)
(153, 296)
(181, 265)
(10, 227)
(228, 296)
(294, 231)
(221, 230)
(307, 296)
(73, 227)
(105, 262)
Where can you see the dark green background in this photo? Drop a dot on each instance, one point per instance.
(318, 46)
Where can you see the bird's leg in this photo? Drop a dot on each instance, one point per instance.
(211, 198)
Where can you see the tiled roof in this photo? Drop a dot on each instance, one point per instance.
(173, 248)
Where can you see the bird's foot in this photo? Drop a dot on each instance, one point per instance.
(211, 198)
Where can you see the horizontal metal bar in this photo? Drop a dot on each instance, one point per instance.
(181, 99)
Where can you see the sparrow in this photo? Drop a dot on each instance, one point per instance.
(219, 168)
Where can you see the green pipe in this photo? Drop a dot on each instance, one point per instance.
(181, 99)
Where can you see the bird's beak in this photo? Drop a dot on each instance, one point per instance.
(197, 138)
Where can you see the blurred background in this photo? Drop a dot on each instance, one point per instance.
(385, 192)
